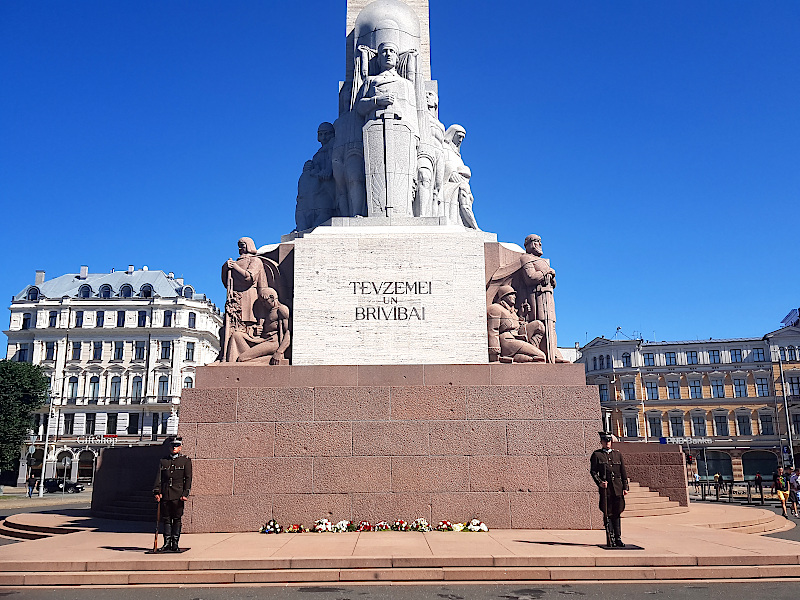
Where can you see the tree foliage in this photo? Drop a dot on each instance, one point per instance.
(23, 389)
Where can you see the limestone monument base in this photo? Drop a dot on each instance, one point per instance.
(506, 443)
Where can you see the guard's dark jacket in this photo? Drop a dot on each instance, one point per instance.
(174, 477)
(609, 466)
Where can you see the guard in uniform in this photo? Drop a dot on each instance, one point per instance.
(171, 489)
(608, 471)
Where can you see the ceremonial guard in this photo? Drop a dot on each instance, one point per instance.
(171, 490)
(608, 471)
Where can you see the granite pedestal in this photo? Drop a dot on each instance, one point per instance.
(508, 444)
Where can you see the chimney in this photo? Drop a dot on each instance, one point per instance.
(130, 269)
(144, 268)
(84, 272)
(39, 278)
(170, 275)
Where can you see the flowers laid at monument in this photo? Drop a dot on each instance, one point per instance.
(421, 525)
(322, 525)
(477, 525)
(271, 527)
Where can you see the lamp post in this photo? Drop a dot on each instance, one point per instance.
(50, 414)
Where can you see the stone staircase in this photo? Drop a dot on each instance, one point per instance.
(641, 501)
(136, 506)
(35, 526)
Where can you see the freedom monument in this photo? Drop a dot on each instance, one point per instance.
(387, 358)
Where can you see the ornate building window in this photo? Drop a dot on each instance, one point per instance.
(676, 424)
(721, 424)
(652, 389)
(192, 320)
(94, 389)
(736, 355)
(629, 390)
(126, 291)
(670, 359)
(744, 424)
(717, 388)
(84, 291)
(691, 357)
(740, 388)
(762, 387)
(699, 424)
(713, 357)
(105, 291)
(674, 390)
(626, 360)
(649, 359)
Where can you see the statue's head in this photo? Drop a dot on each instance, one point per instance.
(432, 99)
(388, 55)
(506, 293)
(533, 244)
(269, 296)
(325, 132)
(308, 165)
(247, 246)
(455, 134)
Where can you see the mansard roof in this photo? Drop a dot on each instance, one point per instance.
(70, 284)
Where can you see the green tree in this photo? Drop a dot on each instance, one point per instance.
(23, 389)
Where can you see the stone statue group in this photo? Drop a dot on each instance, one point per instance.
(387, 155)
(521, 318)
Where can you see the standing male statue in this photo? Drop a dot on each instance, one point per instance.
(387, 103)
(316, 189)
(456, 192)
(430, 163)
(539, 279)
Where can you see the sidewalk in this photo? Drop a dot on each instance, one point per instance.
(694, 545)
(17, 497)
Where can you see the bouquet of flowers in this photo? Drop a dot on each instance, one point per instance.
(382, 526)
(322, 525)
(444, 526)
(296, 529)
(400, 525)
(420, 525)
(271, 527)
(477, 525)
(364, 526)
(341, 526)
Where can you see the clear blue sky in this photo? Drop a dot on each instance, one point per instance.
(655, 146)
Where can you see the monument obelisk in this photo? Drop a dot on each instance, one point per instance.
(401, 399)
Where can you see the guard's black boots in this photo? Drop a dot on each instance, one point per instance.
(619, 543)
(167, 547)
(176, 535)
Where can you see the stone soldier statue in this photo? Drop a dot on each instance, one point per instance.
(510, 339)
(608, 471)
(269, 336)
(316, 190)
(172, 487)
(540, 280)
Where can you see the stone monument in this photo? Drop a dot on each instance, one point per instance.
(387, 358)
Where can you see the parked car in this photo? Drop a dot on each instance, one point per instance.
(51, 486)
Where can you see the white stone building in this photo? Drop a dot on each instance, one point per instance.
(118, 348)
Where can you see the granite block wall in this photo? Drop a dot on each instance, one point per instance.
(661, 467)
(508, 446)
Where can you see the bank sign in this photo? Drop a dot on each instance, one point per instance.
(691, 441)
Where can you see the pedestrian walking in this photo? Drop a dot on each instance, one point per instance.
(780, 483)
(794, 488)
(31, 485)
(608, 471)
(759, 482)
(172, 487)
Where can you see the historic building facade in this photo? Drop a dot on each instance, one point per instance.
(118, 348)
(734, 402)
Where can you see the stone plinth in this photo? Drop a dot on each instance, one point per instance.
(508, 444)
(389, 295)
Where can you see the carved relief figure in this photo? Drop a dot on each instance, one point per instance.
(268, 337)
(511, 339)
(387, 103)
(316, 189)
(456, 192)
(249, 280)
(534, 279)
(430, 163)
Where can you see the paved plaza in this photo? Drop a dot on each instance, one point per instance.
(709, 542)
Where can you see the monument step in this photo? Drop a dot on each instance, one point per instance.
(124, 516)
(643, 571)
